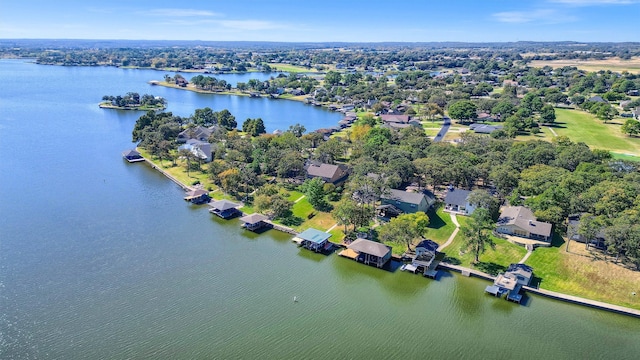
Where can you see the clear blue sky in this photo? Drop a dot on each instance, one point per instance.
(324, 20)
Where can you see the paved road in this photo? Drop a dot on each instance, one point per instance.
(443, 130)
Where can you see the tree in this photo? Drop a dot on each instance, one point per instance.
(229, 179)
(631, 127)
(204, 117)
(477, 233)
(253, 127)
(548, 114)
(463, 110)
(332, 78)
(405, 229)
(345, 212)
(330, 150)
(226, 120)
(588, 228)
(313, 189)
(297, 130)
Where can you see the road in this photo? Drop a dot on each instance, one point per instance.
(443, 130)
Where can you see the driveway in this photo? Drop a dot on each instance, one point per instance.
(443, 130)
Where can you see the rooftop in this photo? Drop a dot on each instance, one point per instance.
(369, 247)
(314, 236)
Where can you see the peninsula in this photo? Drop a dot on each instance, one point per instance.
(133, 101)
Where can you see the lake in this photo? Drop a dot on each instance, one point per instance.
(101, 259)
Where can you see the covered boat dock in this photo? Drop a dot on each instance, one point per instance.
(254, 222)
(313, 239)
(224, 209)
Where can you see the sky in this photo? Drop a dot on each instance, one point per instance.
(324, 20)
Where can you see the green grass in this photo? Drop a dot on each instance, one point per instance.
(579, 273)
(440, 225)
(628, 157)
(291, 68)
(580, 126)
(492, 261)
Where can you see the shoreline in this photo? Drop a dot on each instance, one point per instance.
(235, 92)
(136, 108)
(622, 310)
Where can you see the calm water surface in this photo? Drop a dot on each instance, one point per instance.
(100, 259)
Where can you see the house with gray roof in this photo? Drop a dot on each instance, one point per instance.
(201, 149)
(199, 133)
(457, 201)
(334, 174)
(484, 128)
(511, 281)
(408, 202)
(573, 226)
(520, 221)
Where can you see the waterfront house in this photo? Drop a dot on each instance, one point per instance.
(573, 225)
(132, 156)
(254, 222)
(201, 149)
(197, 196)
(333, 174)
(520, 221)
(224, 209)
(511, 281)
(457, 201)
(314, 240)
(199, 133)
(368, 252)
(408, 202)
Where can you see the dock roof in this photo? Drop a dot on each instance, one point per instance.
(196, 193)
(369, 247)
(314, 236)
(253, 218)
(223, 205)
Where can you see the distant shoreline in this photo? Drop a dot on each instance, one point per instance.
(235, 92)
(106, 105)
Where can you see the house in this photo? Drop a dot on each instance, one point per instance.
(132, 156)
(510, 83)
(199, 133)
(254, 222)
(333, 174)
(573, 225)
(197, 196)
(314, 240)
(368, 252)
(633, 92)
(395, 119)
(201, 149)
(457, 201)
(597, 99)
(484, 129)
(520, 221)
(224, 209)
(485, 117)
(511, 281)
(408, 202)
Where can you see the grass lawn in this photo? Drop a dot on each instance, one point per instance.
(581, 126)
(440, 225)
(579, 273)
(614, 64)
(291, 68)
(625, 156)
(492, 261)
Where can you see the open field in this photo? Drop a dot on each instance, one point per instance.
(292, 68)
(613, 64)
(581, 126)
(578, 273)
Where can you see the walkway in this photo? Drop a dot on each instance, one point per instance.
(552, 131)
(300, 198)
(526, 256)
(453, 234)
(169, 176)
